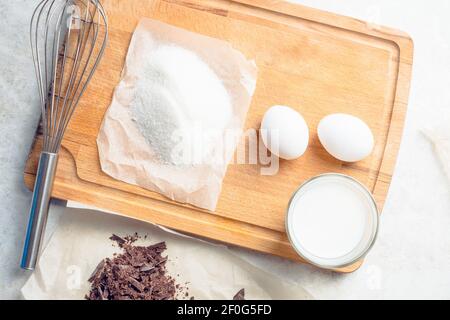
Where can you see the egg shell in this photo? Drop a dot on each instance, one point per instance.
(345, 137)
(285, 132)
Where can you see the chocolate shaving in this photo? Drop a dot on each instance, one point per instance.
(138, 273)
(97, 271)
(240, 295)
(146, 268)
(120, 241)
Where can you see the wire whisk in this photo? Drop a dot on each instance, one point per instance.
(68, 39)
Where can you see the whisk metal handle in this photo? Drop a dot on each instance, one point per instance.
(39, 209)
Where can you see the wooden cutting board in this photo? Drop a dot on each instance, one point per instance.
(317, 62)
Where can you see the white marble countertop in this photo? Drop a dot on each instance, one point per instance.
(411, 258)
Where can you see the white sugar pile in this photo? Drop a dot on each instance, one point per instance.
(175, 93)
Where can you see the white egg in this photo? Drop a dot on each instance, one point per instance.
(284, 132)
(345, 137)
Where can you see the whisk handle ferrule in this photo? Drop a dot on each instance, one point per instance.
(39, 209)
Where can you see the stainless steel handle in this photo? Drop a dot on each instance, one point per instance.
(39, 209)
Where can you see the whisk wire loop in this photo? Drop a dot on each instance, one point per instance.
(68, 39)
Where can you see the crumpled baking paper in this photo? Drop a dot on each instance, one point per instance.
(212, 271)
(124, 153)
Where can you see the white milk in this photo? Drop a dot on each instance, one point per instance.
(332, 220)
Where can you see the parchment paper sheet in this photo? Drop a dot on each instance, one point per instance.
(124, 152)
(81, 242)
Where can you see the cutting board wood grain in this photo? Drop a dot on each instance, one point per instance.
(316, 62)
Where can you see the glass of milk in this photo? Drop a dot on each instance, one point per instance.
(332, 221)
